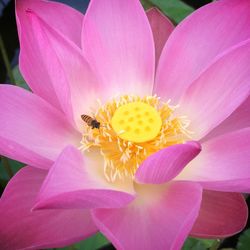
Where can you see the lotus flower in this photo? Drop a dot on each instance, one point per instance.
(146, 144)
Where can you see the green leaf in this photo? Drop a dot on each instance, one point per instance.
(244, 241)
(198, 244)
(209, 243)
(19, 81)
(193, 244)
(3, 183)
(15, 166)
(174, 9)
(92, 243)
(146, 4)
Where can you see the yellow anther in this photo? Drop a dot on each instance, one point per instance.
(138, 121)
(133, 128)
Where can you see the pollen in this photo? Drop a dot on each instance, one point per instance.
(136, 122)
(131, 129)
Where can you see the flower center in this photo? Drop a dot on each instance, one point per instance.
(136, 122)
(132, 128)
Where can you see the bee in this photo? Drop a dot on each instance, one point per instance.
(91, 122)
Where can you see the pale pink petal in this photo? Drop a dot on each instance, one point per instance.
(167, 163)
(221, 215)
(70, 184)
(160, 218)
(74, 82)
(22, 228)
(223, 164)
(59, 16)
(161, 27)
(31, 130)
(195, 42)
(220, 90)
(118, 42)
(239, 119)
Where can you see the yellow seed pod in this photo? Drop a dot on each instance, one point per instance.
(136, 122)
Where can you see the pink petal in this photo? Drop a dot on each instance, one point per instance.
(239, 119)
(221, 215)
(74, 82)
(70, 184)
(220, 90)
(195, 42)
(160, 218)
(31, 57)
(31, 130)
(167, 163)
(55, 14)
(161, 27)
(118, 43)
(223, 164)
(22, 228)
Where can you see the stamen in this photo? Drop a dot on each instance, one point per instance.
(153, 126)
